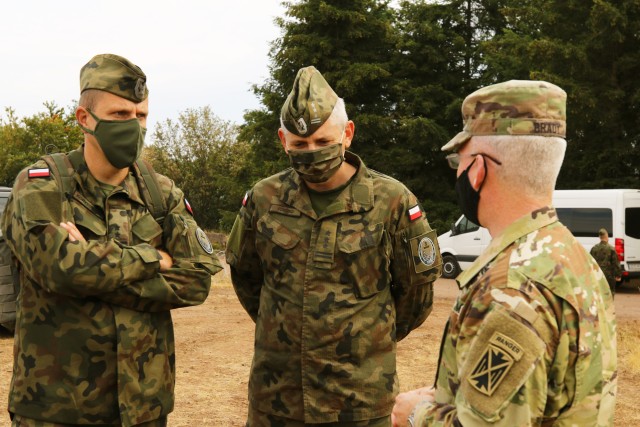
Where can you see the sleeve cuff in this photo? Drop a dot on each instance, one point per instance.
(140, 262)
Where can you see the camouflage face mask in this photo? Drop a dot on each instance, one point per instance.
(318, 165)
(120, 140)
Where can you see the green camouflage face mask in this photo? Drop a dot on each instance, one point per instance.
(120, 140)
(319, 165)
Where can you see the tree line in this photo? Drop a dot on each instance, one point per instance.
(403, 71)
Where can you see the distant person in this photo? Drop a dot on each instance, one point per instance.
(103, 258)
(335, 264)
(607, 258)
(531, 339)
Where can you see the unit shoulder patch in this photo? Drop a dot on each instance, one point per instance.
(501, 358)
(204, 241)
(424, 251)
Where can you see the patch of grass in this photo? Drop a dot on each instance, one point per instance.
(629, 347)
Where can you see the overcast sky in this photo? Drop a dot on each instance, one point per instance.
(194, 53)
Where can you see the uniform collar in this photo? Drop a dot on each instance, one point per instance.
(89, 183)
(356, 197)
(521, 227)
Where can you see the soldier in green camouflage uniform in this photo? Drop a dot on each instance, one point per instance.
(335, 263)
(98, 273)
(607, 258)
(531, 340)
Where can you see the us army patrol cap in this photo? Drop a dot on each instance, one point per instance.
(516, 107)
(309, 104)
(114, 74)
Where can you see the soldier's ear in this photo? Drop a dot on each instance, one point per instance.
(478, 173)
(349, 132)
(283, 140)
(82, 116)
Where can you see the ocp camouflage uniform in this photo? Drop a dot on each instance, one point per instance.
(531, 340)
(331, 294)
(94, 338)
(607, 259)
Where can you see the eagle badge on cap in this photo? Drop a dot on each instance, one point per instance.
(139, 89)
(301, 125)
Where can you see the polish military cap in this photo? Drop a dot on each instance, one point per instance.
(516, 107)
(309, 104)
(114, 74)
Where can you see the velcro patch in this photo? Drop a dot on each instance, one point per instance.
(188, 206)
(414, 213)
(500, 355)
(39, 173)
(204, 241)
(501, 358)
(424, 251)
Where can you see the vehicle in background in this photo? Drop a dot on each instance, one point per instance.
(583, 212)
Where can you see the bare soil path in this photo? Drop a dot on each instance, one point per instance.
(214, 345)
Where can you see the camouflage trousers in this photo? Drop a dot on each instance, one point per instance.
(20, 421)
(260, 419)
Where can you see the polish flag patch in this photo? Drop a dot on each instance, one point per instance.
(245, 199)
(188, 206)
(39, 173)
(415, 213)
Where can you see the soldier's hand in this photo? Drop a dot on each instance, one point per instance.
(405, 402)
(74, 233)
(166, 262)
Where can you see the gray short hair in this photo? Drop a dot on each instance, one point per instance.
(89, 98)
(530, 163)
(338, 116)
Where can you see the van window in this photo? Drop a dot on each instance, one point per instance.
(585, 222)
(632, 222)
(466, 226)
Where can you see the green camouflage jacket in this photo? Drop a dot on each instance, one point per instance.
(531, 340)
(94, 338)
(607, 259)
(331, 295)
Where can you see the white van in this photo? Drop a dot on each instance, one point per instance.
(584, 212)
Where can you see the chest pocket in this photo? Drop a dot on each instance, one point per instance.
(91, 226)
(147, 230)
(364, 258)
(275, 243)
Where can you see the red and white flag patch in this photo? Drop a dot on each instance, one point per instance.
(39, 173)
(415, 213)
(188, 206)
(245, 199)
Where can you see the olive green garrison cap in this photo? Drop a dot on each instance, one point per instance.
(114, 74)
(516, 107)
(309, 104)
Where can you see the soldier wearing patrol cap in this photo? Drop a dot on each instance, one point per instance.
(531, 340)
(335, 263)
(106, 248)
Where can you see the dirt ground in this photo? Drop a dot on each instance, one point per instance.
(214, 345)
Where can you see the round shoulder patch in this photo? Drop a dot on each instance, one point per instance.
(204, 241)
(427, 251)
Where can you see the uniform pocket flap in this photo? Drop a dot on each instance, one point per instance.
(354, 240)
(86, 219)
(146, 228)
(276, 232)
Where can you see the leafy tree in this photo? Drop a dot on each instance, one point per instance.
(23, 141)
(351, 43)
(589, 48)
(202, 154)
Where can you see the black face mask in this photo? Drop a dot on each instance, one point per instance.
(468, 197)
